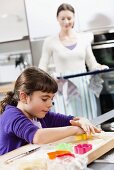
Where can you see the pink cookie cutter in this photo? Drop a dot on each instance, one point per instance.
(82, 148)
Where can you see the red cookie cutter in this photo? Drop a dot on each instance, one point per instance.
(82, 148)
(66, 154)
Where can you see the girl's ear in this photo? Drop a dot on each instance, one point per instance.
(23, 97)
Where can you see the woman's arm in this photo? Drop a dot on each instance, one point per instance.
(48, 135)
(91, 61)
(46, 55)
(90, 58)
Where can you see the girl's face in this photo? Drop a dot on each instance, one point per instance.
(38, 104)
(66, 19)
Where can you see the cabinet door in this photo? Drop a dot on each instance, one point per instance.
(13, 24)
(95, 14)
(41, 16)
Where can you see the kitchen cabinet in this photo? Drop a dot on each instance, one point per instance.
(13, 25)
(95, 15)
(90, 15)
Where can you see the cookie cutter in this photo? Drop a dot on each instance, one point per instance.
(82, 148)
(53, 155)
(64, 146)
(66, 154)
(83, 137)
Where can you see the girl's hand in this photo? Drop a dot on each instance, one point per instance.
(85, 124)
(79, 130)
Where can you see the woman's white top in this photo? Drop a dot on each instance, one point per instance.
(65, 59)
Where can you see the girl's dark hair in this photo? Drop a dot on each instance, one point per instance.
(64, 7)
(30, 80)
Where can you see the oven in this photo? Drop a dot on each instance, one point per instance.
(103, 49)
(104, 53)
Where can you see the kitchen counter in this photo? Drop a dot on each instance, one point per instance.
(101, 166)
(41, 153)
(5, 87)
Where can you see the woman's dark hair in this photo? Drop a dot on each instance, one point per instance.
(30, 80)
(64, 7)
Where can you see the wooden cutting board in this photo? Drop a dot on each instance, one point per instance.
(101, 143)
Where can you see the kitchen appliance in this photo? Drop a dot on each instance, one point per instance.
(103, 49)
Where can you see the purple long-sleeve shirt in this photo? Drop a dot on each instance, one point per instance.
(17, 130)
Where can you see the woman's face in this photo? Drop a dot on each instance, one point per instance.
(39, 103)
(66, 20)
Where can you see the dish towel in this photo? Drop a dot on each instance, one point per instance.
(67, 89)
(96, 84)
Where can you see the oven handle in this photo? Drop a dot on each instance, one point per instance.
(103, 46)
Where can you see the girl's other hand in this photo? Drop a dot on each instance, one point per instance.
(86, 125)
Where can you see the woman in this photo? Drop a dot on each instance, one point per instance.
(71, 53)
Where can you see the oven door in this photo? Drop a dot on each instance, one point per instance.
(104, 53)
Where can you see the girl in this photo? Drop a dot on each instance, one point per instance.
(25, 116)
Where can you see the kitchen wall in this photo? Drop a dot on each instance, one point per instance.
(92, 15)
(14, 39)
(10, 54)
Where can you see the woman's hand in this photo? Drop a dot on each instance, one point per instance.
(101, 67)
(85, 124)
